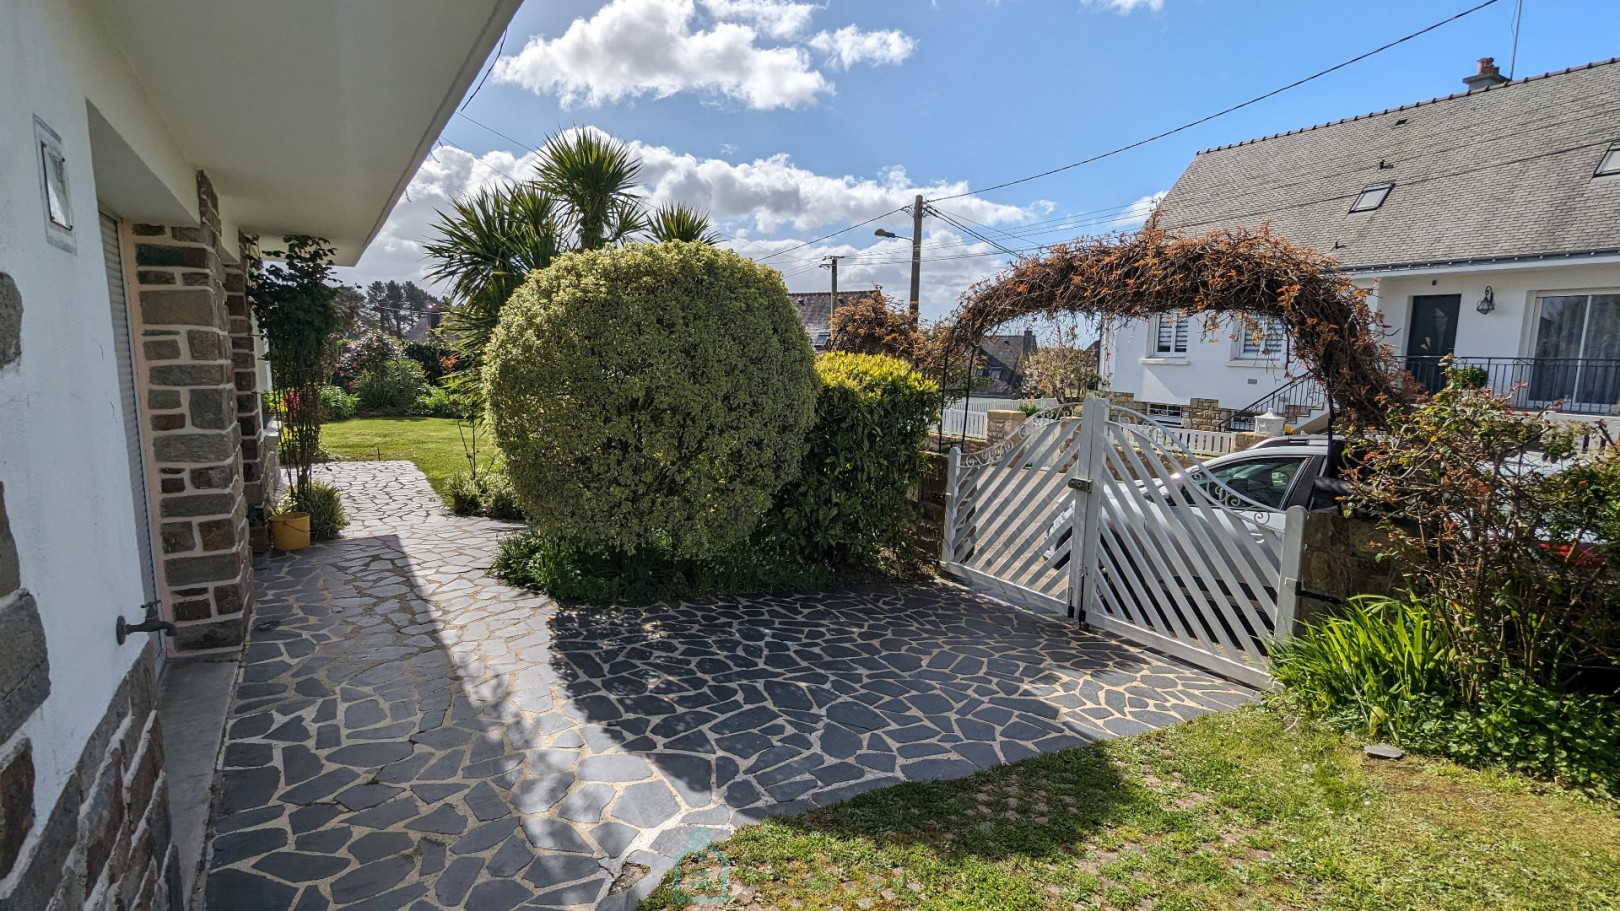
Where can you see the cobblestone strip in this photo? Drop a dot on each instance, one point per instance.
(411, 733)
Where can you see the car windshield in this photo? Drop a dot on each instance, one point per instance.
(1265, 481)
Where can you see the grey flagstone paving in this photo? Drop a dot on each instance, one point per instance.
(410, 733)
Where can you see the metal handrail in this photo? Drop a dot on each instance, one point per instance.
(1304, 392)
(1571, 385)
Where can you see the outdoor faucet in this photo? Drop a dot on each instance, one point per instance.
(150, 625)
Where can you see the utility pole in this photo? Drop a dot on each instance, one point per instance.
(916, 257)
(831, 262)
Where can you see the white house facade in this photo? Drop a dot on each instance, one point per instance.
(137, 140)
(1485, 226)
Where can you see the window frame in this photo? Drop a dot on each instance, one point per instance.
(1180, 335)
(1270, 326)
(1381, 189)
(1609, 164)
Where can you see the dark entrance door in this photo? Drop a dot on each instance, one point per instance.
(1433, 335)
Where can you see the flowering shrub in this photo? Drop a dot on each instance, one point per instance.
(365, 355)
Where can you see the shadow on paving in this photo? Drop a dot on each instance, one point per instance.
(409, 733)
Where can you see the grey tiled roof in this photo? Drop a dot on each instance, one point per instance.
(815, 307)
(1500, 173)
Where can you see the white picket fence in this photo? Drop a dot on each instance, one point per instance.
(957, 422)
(1199, 442)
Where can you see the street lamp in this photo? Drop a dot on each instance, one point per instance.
(916, 252)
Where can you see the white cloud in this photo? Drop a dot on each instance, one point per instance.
(1138, 212)
(634, 48)
(748, 201)
(1126, 7)
(850, 46)
(776, 18)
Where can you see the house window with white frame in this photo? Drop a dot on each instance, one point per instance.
(1264, 341)
(1170, 334)
(1166, 415)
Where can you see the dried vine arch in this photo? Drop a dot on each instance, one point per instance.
(1249, 274)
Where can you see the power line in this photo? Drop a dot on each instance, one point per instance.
(1518, 20)
(491, 69)
(1222, 113)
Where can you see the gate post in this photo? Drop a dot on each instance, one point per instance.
(953, 476)
(1086, 510)
(1292, 557)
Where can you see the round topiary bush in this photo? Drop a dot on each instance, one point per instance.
(654, 395)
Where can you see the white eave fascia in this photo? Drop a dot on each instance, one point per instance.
(1596, 258)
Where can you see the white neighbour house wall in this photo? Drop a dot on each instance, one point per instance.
(1212, 367)
(1211, 370)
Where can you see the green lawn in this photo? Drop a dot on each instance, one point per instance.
(434, 444)
(1237, 810)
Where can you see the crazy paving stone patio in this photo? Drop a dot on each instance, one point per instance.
(409, 733)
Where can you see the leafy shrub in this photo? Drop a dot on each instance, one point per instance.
(652, 572)
(1512, 556)
(436, 358)
(654, 395)
(1521, 725)
(361, 357)
(325, 508)
(438, 402)
(1467, 377)
(338, 405)
(1384, 668)
(1369, 667)
(391, 386)
(862, 457)
(490, 494)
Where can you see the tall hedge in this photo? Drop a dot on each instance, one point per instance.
(655, 395)
(862, 457)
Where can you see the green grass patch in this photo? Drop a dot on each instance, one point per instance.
(433, 444)
(1243, 809)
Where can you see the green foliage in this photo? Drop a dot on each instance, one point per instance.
(439, 402)
(1384, 669)
(653, 572)
(1370, 667)
(325, 508)
(295, 303)
(1467, 377)
(391, 386)
(1510, 549)
(368, 353)
(437, 359)
(584, 197)
(862, 457)
(489, 494)
(338, 405)
(1522, 725)
(651, 395)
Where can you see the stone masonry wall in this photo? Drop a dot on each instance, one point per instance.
(256, 463)
(188, 357)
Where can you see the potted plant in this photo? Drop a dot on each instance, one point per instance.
(258, 530)
(289, 526)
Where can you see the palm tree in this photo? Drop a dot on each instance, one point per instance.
(583, 197)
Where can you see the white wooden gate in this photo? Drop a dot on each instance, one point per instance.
(1097, 515)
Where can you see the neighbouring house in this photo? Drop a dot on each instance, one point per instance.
(1485, 225)
(136, 141)
(816, 310)
(1001, 362)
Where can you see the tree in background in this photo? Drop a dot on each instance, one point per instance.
(584, 196)
(872, 324)
(1063, 368)
(395, 307)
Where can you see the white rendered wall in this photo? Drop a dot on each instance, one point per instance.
(62, 456)
(1210, 369)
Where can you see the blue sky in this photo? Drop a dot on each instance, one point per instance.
(791, 120)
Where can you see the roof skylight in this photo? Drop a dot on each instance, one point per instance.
(1610, 163)
(1372, 197)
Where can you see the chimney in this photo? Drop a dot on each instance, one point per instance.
(1487, 77)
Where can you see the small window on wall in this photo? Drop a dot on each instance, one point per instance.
(1263, 342)
(1168, 415)
(1170, 334)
